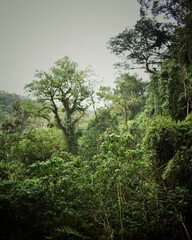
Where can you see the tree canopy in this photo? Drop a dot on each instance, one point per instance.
(146, 45)
(64, 92)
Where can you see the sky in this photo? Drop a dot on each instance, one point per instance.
(37, 33)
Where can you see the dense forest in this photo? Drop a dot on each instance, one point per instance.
(120, 171)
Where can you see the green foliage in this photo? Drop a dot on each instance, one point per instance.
(127, 173)
(166, 93)
(44, 200)
(129, 96)
(64, 92)
(146, 45)
(168, 145)
(180, 52)
(6, 99)
(89, 143)
(159, 140)
(115, 178)
(17, 121)
(105, 94)
(36, 110)
(31, 146)
(174, 9)
(67, 231)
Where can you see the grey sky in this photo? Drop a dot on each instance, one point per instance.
(36, 33)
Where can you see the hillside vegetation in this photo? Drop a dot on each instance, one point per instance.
(122, 172)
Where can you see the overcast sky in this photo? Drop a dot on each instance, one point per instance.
(36, 33)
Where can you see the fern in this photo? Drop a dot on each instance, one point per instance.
(69, 231)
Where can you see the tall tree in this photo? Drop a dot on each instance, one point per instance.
(63, 91)
(181, 12)
(176, 9)
(129, 95)
(181, 51)
(146, 45)
(165, 95)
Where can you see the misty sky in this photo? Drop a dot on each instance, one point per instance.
(36, 33)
